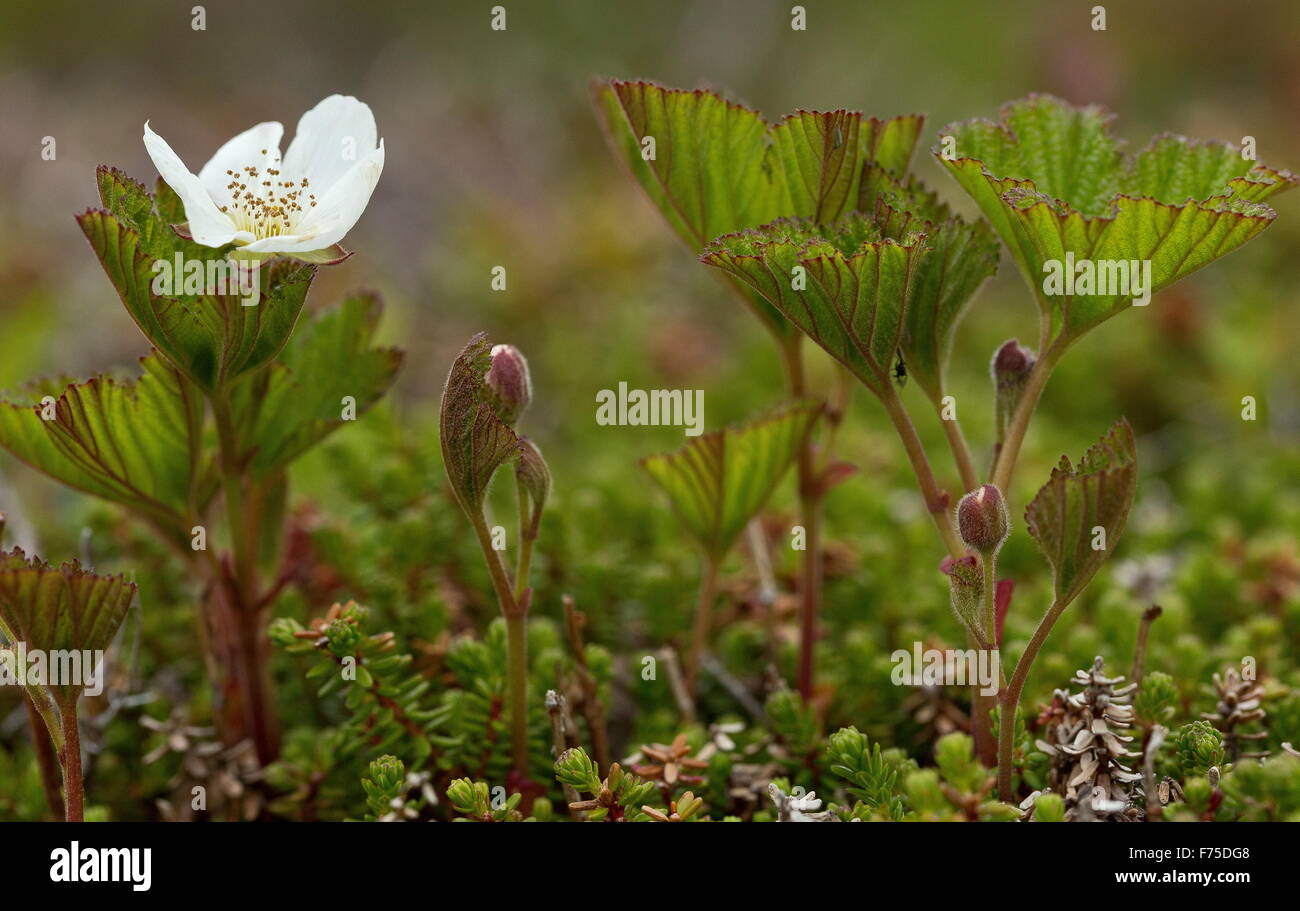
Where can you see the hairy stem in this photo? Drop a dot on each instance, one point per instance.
(960, 452)
(1004, 463)
(810, 584)
(526, 541)
(810, 508)
(1006, 733)
(515, 612)
(70, 760)
(45, 758)
(936, 499)
(517, 688)
(1010, 695)
(500, 580)
(244, 658)
(703, 623)
(990, 562)
(981, 703)
(242, 545)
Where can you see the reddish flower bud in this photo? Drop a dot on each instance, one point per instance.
(1010, 369)
(508, 379)
(966, 586)
(982, 519)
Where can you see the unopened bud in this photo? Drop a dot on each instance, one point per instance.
(982, 519)
(966, 586)
(1010, 370)
(508, 379)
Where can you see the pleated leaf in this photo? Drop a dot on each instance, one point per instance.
(1052, 181)
(300, 400)
(957, 259)
(135, 443)
(1065, 515)
(718, 481)
(60, 608)
(851, 295)
(718, 167)
(213, 338)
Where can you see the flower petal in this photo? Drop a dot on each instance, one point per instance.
(335, 213)
(332, 138)
(258, 146)
(207, 224)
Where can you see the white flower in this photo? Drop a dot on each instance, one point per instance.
(299, 207)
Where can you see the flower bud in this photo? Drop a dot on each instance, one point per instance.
(1010, 370)
(508, 379)
(982, 519)
(966, 587)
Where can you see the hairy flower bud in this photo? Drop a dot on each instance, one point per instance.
(1010, 369)
(508, 379)
(535, 477)
(966, 586)
(982, 519)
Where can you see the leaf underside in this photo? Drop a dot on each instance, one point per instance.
(1076, 500)
(719, 167)
(1051, 180)
(719, 481)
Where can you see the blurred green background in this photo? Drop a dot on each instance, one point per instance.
(495, 157)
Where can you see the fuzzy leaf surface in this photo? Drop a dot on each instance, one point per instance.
(1076, 499)
(475, 442)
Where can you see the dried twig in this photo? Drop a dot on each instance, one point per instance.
(681, 693)
(560, 742)
(593, 710)
(1140, 650)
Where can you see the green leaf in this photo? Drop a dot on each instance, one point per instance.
(719, 167)
(1052, 181)
(854, 300)
(475, 442)
(60, 609)
(135, 443)
(1065, 514)
(823, 157)
(213, 338)
(301, 399)
(958, 257)
(719, 481)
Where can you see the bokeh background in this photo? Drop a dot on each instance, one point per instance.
(495, 157)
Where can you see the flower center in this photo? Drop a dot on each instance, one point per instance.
(264, 203)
